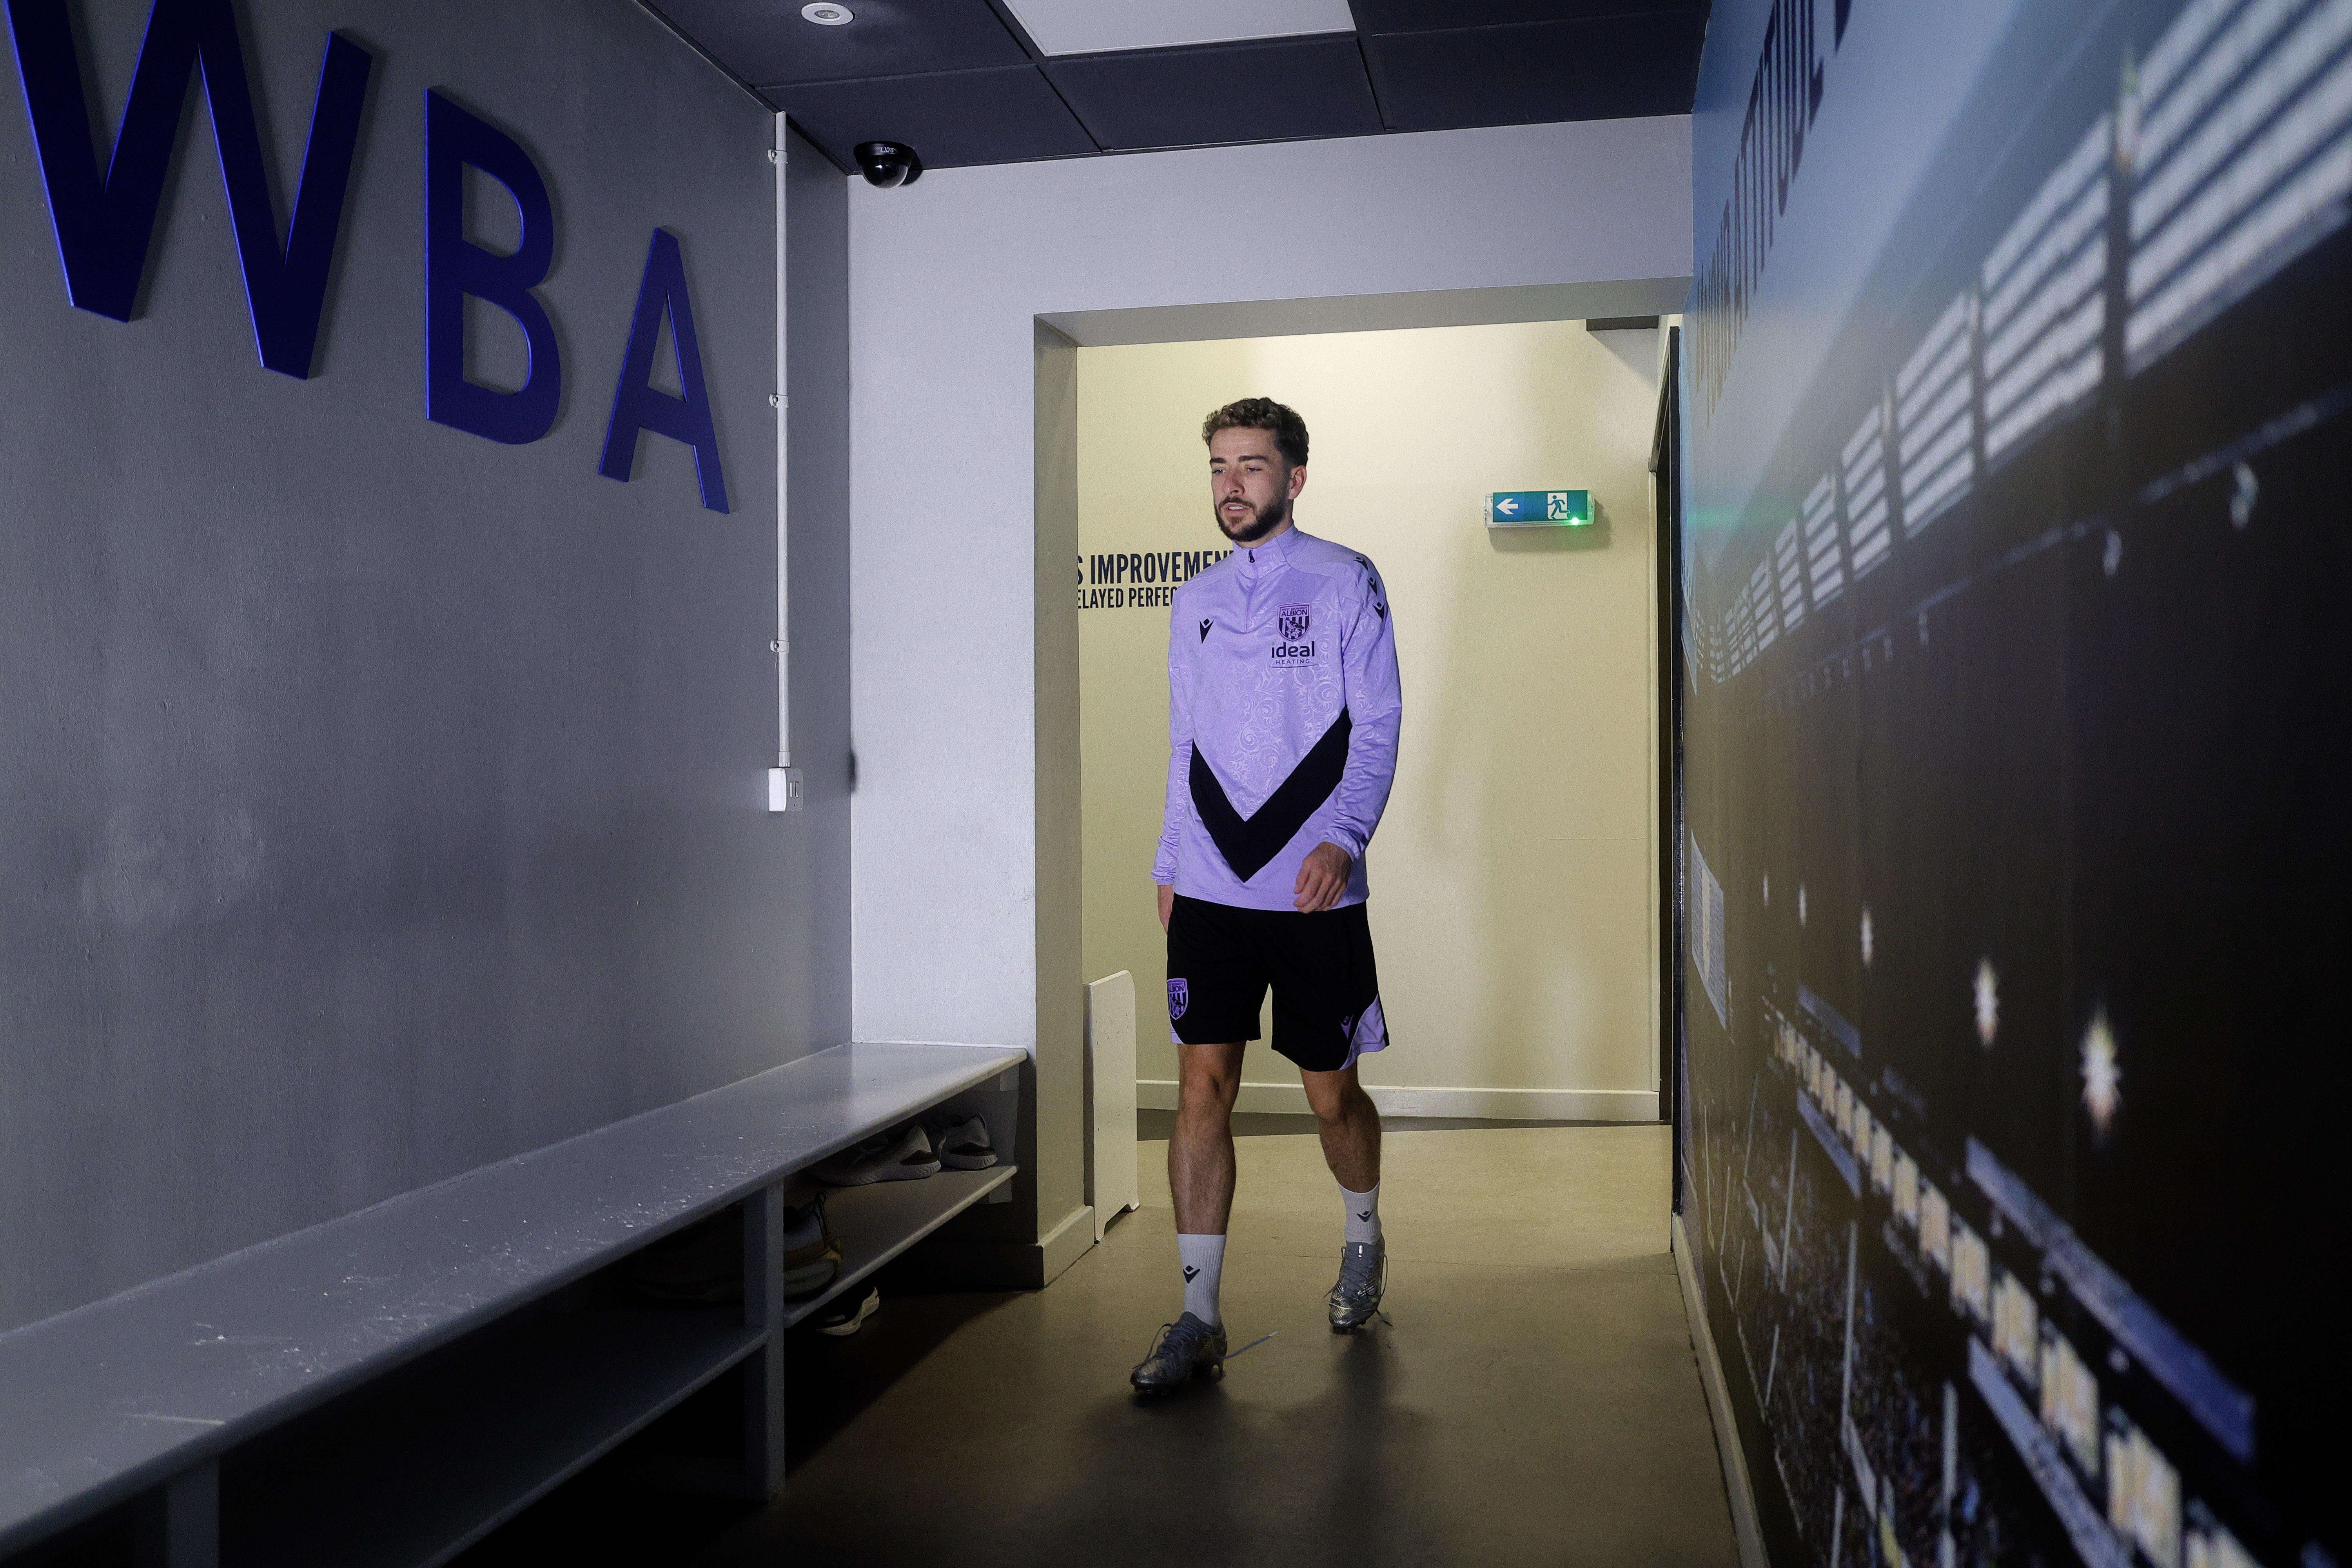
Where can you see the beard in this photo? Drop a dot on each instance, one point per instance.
(1262, 522)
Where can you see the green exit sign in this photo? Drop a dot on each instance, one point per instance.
(1539, 508)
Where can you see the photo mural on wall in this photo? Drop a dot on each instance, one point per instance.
(2020, 654)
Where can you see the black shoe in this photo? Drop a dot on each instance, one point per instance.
(1186, 1349)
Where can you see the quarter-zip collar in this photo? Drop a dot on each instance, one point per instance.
(1264, 558)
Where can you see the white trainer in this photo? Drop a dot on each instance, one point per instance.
(847, 1315)
(962, 1143)
(812, 1252)
(904, 1156)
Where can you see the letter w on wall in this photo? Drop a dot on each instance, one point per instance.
(106, 227)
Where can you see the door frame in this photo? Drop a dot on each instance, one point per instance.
(1665, 476)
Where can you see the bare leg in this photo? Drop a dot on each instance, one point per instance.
(1201, 1152)
(1350, 1126)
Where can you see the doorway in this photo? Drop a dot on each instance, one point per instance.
(1516, 876)
(1673, 673)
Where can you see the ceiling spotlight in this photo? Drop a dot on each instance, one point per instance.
(828, 15)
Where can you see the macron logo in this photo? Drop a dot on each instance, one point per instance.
(1364, 1215)
(1204, 629)
(1191, 1273)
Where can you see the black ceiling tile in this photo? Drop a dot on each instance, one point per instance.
(769, 41)
(1008, 115)
(1428, 16)
(1607, 69)
(1276, 90)
(1014, 25)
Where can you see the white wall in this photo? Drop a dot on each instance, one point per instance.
(1513, 876)
(947, 279)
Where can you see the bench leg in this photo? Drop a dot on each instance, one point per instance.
(763, 1372)
(178, 1523)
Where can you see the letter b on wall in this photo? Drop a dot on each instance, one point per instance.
(454, 267)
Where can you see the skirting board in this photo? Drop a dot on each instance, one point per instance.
(1006, 1265)
(1744, 1527)
(1502, 1104)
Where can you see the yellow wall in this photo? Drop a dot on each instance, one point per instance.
(1512, 879)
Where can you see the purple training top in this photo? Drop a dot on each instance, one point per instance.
(1283, 708)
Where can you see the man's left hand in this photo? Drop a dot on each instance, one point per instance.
(1322, 879)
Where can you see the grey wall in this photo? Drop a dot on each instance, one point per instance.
(375, 800)
(816, 306)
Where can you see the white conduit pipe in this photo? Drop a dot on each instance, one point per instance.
(784, 779)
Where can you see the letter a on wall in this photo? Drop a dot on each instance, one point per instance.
(454, 267)
(106, 226)
(637, 405)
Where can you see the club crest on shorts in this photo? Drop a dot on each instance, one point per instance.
(1292, 621)
(1179, 998)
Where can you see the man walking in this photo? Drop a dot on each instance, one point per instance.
(1283, 709)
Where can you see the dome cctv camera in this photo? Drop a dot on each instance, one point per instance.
(888, 163)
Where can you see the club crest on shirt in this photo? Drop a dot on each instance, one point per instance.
(1291, 620)
(1179, 998)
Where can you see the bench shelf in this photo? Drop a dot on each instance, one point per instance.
(410, 1475)
(413, 1475)
(387, 1387)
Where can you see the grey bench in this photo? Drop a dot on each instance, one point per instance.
(387, 1387)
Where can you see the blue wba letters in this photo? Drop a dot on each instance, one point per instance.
(454, 267)
(637, 405)
(106, 227)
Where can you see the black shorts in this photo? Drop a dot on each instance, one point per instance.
(1326, 995)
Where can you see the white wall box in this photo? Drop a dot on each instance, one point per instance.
(1113, 1187)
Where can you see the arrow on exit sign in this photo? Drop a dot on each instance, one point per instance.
(1539, 508)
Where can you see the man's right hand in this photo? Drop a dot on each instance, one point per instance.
(1167, 902)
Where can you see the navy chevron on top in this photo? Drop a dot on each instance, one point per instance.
(1247, 843)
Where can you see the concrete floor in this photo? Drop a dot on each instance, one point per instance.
(1534, 1400)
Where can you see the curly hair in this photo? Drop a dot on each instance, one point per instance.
(1262, 414)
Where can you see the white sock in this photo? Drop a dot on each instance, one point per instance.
(1363, 1214)
(1203, 1258)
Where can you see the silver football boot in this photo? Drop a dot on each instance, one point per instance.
(1363, 1280)
(1186, 1349)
